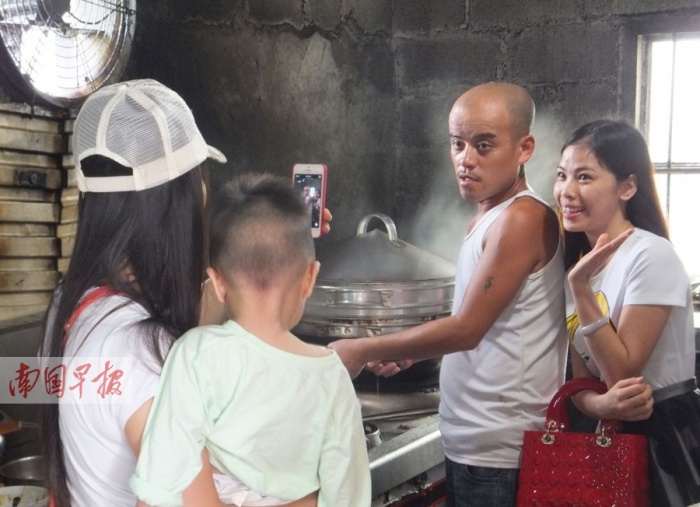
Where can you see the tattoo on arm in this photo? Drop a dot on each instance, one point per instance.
(488, 284)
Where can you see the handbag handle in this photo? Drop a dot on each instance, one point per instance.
(558, 418)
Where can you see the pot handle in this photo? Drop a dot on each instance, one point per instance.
(388, 223)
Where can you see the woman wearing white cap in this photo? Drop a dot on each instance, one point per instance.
(133, 286)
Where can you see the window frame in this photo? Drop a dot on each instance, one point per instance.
(631, 33)
(666, 168)
(635, 35)
(642, 113)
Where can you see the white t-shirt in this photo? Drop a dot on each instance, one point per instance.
(491, 395)
(645, 271)
(98, 457)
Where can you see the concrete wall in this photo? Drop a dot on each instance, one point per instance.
(366, 85)
(278, 82)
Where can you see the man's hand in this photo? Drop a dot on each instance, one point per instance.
(388, 368)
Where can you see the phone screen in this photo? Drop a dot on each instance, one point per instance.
(310, 186)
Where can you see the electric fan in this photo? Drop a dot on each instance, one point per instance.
(63, 50)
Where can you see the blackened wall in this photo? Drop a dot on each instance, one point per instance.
(365, 86)
(278, 82)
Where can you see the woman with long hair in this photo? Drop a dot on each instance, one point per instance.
(629, 311)
(133, 286)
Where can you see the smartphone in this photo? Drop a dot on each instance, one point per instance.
(310, 181)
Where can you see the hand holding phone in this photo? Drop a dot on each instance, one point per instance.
(310, 181)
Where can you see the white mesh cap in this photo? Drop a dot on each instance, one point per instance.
(140, 124)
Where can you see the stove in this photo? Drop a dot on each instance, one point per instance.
(404, 446)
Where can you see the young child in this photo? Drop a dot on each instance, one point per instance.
(279, 417)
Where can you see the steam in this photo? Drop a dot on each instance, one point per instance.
(541, 168)
(441, 222)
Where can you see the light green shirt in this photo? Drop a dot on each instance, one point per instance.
(285, 425)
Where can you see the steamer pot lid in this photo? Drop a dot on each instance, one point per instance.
(379, 256)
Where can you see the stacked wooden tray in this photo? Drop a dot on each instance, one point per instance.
(32, 143)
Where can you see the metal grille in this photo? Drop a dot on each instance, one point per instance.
(65, 49)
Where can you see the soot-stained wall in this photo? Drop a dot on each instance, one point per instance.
(278, 82)
(365, 86)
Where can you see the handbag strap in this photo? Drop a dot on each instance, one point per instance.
(557, 416)
(94, 295)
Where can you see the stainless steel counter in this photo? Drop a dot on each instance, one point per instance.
(406, 457)
(410, 458)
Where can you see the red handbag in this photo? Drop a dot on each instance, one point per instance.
(560, 468)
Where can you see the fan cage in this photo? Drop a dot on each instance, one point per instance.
(63, 50)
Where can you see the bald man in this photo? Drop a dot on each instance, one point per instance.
(504, 345)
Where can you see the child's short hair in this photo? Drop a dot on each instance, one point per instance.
(260, 228)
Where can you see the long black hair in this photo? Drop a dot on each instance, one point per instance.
(157, 234)
(621, 148)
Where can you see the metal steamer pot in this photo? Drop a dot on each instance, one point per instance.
(378, 284)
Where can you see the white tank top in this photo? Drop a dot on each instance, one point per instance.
(491, 395)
